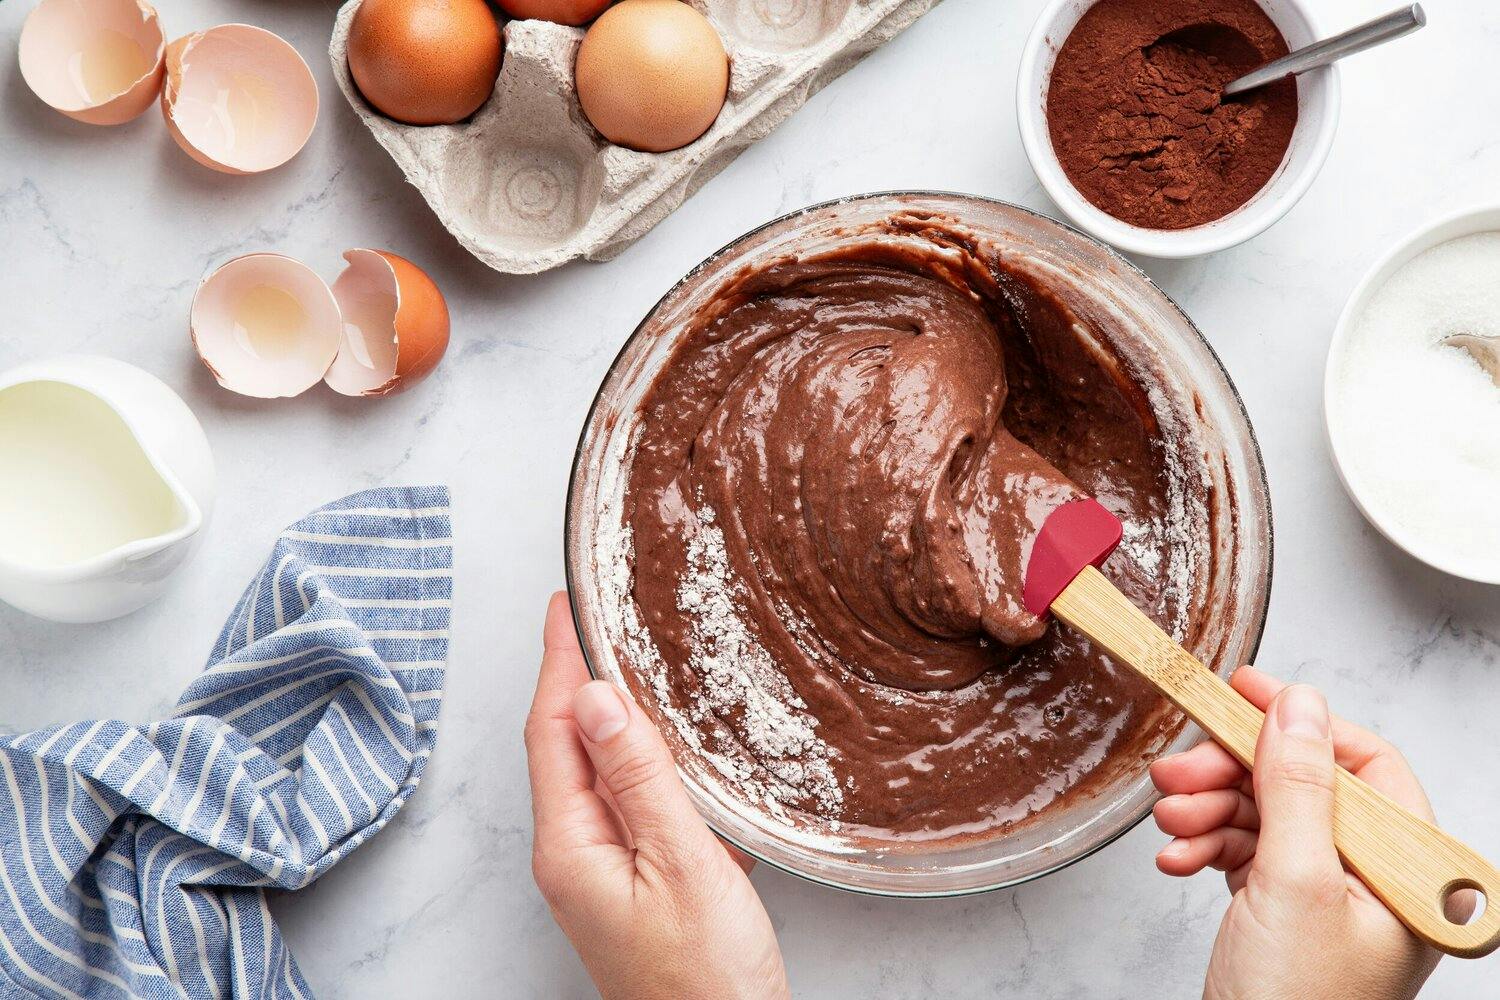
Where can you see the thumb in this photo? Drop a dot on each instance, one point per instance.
(1294, 792)
(633, 762)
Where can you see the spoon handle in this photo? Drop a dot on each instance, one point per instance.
(1411, 865)
(1392, 25)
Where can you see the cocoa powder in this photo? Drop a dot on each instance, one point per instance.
(1137, 120)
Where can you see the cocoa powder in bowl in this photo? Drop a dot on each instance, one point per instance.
(1136, 117)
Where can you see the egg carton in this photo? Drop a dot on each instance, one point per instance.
(527, 183)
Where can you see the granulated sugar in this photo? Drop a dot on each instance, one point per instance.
(1416, 422)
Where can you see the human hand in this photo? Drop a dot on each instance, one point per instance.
(653, 902)
(1298, 925)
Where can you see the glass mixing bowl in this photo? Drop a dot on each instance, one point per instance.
(1186, 378)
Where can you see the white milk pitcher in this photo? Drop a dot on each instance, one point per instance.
(106, 481)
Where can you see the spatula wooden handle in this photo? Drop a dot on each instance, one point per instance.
(1409, 863)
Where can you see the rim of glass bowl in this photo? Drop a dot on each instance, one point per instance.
(1262, 492)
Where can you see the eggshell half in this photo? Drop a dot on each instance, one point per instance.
(266, 325)
(99, 61)
(238, 98)
(395, 327)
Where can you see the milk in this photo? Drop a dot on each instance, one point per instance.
(74, 481)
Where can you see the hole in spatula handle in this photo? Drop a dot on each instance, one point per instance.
(1463, 901)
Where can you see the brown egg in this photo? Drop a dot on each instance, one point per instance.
(561, 11)
(652, 74)
(425, 62)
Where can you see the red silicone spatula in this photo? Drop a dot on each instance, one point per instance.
(1409, 863)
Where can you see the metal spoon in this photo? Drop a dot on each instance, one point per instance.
(1382, 29)
(1485, 350)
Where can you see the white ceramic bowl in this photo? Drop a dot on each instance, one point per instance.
(1480, 568)
(1317, 118)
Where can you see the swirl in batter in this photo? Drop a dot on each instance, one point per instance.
(837, 479)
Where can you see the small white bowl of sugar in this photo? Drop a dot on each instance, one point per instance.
(1413, 415)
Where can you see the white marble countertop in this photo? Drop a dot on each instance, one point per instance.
(105, 233)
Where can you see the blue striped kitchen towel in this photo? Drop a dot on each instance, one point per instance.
(135, 859)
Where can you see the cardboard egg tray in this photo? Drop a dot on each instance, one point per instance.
(527, 184)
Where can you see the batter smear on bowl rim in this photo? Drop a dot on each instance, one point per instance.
(835, 481)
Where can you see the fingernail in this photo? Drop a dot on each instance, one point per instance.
(1175, 849)
(599, 710)
(1302, 711)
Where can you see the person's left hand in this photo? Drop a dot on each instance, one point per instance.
(654, 904)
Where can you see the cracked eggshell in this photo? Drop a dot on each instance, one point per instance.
(395, 325)
(238, 98)
(98, 61)
(266, 325)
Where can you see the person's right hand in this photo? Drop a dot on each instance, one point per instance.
(1299, 925)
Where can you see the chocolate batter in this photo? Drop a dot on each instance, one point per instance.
(837, 479)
